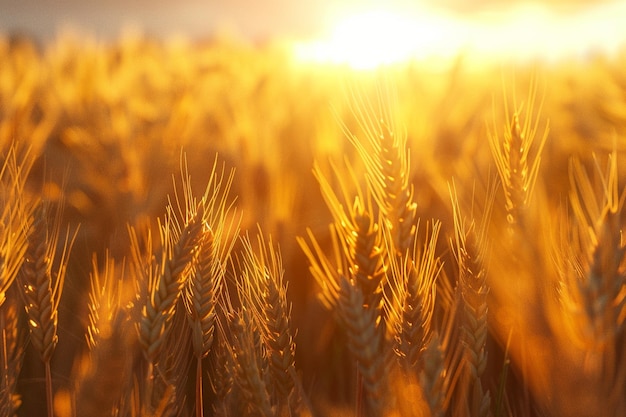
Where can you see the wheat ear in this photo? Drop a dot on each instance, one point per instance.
(356, 239)
(470, 249)
(266, 294)
(411, 297)
(221, 377)
(352, 284)
(160, 282)
(165, 279)
(594, 255)
(219, 230)
(387, 161)
(250, 363)
(518, 156)
(366, 341)
(106, 368)
(41, 286)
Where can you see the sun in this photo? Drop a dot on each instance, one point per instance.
(371, 38)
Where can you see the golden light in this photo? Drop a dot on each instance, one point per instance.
(371, 38)
(365, 39)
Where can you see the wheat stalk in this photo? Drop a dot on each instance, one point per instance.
(356, 240)
(593, 255)
(366, 341)
(104, 373)
(41, 286)
(470, 247)
(265, 293)
(165, 278)
(15, 214)
(195, 245)
(432, 377)
(518, 156)
(160, 283)
(357, 276)
(174, 366)
(105, 299)
(221, 377)
(250, 363)
(387, 161)
(411, 297)
(12, 350)
(219, 229)
(15, 224)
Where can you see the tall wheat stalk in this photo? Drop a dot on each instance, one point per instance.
(352, 286)
(470, 248)
(220, 228)
(593, 255)
(41, 284)
(517, 155)
(15, 224)
(265, 294)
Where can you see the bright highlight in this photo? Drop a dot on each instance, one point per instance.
(371, 38)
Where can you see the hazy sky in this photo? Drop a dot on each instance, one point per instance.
(192, 17)
(251, 18)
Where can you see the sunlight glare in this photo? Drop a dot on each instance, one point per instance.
(367, 39)
(371, 38)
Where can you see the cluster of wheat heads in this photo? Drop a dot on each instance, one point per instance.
(407, 318)
(381, 278)
(160, 322)
(182, 323)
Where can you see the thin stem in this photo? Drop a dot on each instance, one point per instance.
(359, 393)
(199, 405)
(49, 398)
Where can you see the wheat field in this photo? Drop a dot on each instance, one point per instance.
(216, 230)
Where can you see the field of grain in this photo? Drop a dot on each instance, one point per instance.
(219, 230)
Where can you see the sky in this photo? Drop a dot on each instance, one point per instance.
(361, 33)
(254, 19)
(265, 18)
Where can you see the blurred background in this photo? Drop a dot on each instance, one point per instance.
(249, 18)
